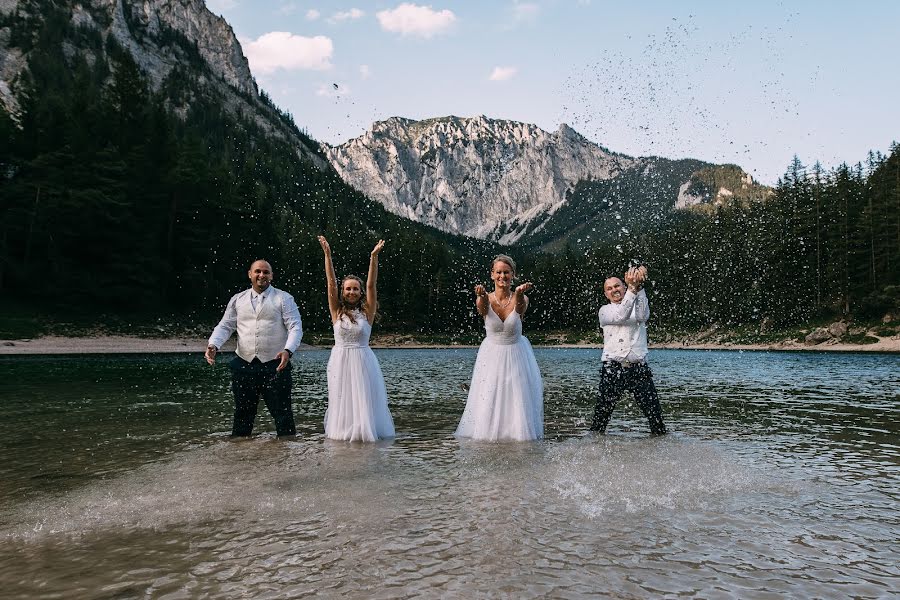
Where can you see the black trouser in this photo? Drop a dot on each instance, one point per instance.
(615, 379)
(249, 380)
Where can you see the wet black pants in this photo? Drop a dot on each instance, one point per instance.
(249, 381)
(616, 379)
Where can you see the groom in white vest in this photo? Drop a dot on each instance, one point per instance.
(625, 368)
(269, 330)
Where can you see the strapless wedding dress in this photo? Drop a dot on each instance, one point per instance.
(357, 399)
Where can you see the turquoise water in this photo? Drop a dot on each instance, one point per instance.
(780, 478)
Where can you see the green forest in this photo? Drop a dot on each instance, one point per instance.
(121, 202)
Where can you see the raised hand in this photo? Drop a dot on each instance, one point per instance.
(630, 276)
(525, 287)
(642, 274)
(480, 291)
(634, 278)
(378, 248)
(324, 243)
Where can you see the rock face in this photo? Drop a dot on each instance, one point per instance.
(163, 36)
(503, 180)
(717, 185)
(214, 37)
(480, 177)
(138, 26)
(12, 62)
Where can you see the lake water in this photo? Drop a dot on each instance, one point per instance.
(781, 478)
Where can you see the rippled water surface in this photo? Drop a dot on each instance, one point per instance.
(781, 478)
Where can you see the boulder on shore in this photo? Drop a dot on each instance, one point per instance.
(838, 329)
(817, 336)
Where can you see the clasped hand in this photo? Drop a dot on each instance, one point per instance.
(635, 277)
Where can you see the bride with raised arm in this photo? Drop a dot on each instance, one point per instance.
(357, 399)
(506, 396)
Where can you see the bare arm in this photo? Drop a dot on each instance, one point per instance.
(372, 283)
(521, 298)
(481, 300)
(331, 281)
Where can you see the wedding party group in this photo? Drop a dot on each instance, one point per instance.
(505, 398)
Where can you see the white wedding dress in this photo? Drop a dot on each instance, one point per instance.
(357, 399)
(506, 396)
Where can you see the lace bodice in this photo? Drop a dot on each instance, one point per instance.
(503, 332)
(352, 335)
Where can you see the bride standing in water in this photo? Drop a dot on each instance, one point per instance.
(506, 396)
(357, 399)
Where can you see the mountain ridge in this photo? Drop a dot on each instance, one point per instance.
(498, 179)
(170, 41)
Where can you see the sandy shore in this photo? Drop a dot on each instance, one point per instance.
(884, 344)
(137, 345)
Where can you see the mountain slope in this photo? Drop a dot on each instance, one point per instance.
(135, 177)
(513, 182)
(479, 177)
(185, 51)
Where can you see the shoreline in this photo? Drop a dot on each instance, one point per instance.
(115, 344)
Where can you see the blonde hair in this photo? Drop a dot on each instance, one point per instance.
(504, 259)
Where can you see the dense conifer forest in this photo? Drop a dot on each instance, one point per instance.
(116, 199)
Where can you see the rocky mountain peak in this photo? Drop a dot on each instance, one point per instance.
(163, 37)
(147, 28)
(565, 131)
(214, 37)
(477, 176)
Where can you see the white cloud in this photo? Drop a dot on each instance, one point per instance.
(332, 90)
(503, 73)
(312, 14)
(411, 19)
(353, 13)
(282, 50)
(526, 11)
(364, 71)
(288, 8)
(220, 6)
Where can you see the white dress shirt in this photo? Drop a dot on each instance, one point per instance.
(625, 328)
(265, 323)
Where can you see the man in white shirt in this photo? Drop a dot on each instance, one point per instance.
(624, 322)
(269, 330)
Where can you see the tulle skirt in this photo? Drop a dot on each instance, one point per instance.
(357, 399)
(506, 396)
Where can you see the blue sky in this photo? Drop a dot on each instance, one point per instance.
(746, 83)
